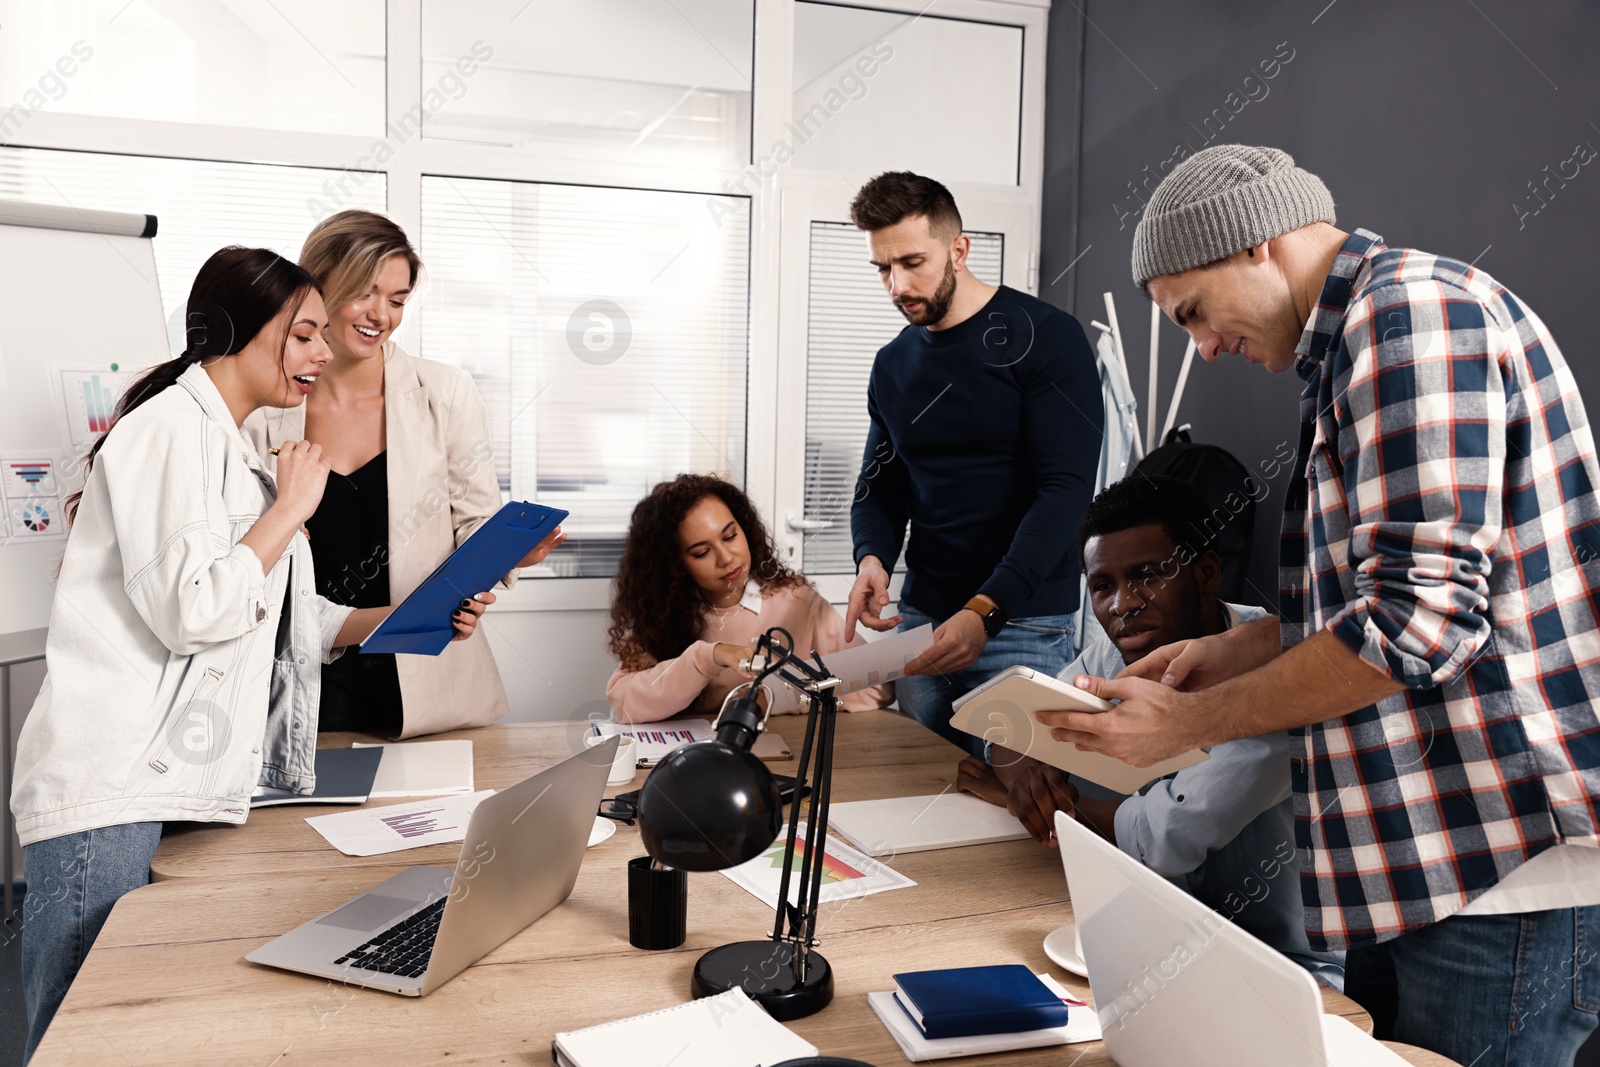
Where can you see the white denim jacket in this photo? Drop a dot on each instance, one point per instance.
(175, 678)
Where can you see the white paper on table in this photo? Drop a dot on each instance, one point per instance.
(396, 827)
(875, 663)
(656, 739)
(846, 873)
(916, 824)
(1082, 1025)
(423, 769)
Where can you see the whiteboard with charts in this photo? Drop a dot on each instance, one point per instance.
(80, 316)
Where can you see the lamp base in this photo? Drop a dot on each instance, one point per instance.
(764, 970)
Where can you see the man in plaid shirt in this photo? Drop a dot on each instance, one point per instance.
(1439, 646)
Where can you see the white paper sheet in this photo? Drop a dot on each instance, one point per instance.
(397, 827)
(656, 739)
(864, 666)
(423, 769)
(917, 824)
(727, 1030)
(846, 874)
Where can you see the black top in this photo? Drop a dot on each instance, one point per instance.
(986, 436)
(350, 547)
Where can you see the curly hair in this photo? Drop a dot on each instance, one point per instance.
(657, 610)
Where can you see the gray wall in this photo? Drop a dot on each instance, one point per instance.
(1426, 120)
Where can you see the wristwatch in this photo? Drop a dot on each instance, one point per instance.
(993, 618)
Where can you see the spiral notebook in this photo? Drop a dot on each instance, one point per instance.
(727, 1030)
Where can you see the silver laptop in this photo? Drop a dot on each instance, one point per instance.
(1174, 980)
(414, 932)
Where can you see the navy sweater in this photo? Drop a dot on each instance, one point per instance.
(986, 436)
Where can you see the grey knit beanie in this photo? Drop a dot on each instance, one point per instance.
(1221, 200)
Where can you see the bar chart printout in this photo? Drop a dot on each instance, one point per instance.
(89, 399)
(395, 827)
(416, 823)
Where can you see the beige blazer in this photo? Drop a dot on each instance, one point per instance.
(442, 487)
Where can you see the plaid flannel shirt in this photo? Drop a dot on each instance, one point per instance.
(1443, 523)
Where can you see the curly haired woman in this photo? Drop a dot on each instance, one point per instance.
(699, 581)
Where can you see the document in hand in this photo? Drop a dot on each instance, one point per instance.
(874, 663)
(727, 1030)
(421, 624)
(1002, 709)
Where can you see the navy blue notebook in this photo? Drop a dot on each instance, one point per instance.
(344, 776)
(421, 624)
(966, 1001)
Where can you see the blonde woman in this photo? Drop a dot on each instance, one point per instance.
(412, 477)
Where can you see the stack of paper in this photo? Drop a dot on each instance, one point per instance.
(423, 769)
(1082, 1025)
(727, 1030)
(917, 824)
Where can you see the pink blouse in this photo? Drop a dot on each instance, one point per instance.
(693, 681)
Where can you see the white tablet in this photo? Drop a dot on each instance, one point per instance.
(1001, 711)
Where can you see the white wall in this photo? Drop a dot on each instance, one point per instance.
(554, 663)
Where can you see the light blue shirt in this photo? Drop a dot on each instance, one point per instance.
(1223, 830)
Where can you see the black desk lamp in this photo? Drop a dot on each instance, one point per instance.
(712, 805)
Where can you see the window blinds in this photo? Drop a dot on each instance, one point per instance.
(608, 332)
(849, 319)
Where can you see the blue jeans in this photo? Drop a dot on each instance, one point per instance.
(72, 883)
(1043, 642)
(1502, 990)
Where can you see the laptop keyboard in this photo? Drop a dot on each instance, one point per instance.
(404, 948)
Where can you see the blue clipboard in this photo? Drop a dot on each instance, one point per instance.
(421, 624)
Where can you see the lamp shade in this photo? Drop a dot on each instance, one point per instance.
(709, 806)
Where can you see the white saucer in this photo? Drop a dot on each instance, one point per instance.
(1059, 947)
(604, 828)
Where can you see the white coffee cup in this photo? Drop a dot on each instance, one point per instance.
(623, 765)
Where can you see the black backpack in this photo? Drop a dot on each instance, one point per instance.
(1231, 491)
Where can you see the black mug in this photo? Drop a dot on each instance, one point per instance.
(658, 905)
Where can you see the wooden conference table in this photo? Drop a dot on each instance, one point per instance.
(167, 982)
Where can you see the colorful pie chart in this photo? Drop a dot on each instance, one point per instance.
(35, 517)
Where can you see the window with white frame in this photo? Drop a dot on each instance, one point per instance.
(598, 234)
(872, 92)
(645, 81)
(303, 65)
(607, 330)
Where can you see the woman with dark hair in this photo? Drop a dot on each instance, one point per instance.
(699, 581)
(182, 664)
(412, 477)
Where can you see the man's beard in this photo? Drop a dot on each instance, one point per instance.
(935, 307)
